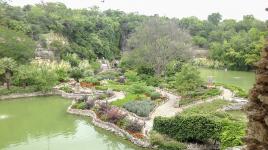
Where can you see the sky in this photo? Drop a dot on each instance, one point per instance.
(234, 9)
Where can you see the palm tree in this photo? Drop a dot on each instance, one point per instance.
(7, 66)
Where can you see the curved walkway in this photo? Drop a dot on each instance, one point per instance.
(117, 96)
(168, 110)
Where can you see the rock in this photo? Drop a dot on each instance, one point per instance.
(266, 120)
(264, 99)
(258, 131)
(261, 78)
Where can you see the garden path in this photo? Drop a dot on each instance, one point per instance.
(117, 96)
(168, 110)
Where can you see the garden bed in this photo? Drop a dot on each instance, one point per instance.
(134, 137)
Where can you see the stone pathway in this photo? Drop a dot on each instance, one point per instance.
(117, 96)
(168, 110)
(165, 110)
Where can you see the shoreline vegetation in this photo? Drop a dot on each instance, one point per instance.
(136, 73)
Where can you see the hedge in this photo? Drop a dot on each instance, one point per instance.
(188, 129)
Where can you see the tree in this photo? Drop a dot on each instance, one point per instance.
(15, 45)
(7, 66)
(157, 42)
(215, 18)
(188, 79)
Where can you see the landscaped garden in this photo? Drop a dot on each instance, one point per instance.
(137, 76)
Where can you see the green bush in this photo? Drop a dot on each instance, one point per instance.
(139, 88)
(188, 79)
(165, 143)
(66, 89)
(148, 70)
(151, 80)
(155, 95)
(232, 134)
(191, 128)
(90, 80)
(141, 108)
(134, 126)
(79, 105)
(132, 76)
(111, 75)
(76, 73)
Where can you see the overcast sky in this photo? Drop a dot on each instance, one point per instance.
(172, 8)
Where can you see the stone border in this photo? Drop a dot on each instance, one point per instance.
(23, 95)
(109, 126)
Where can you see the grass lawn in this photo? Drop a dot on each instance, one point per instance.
(206, 108)
(212, 109)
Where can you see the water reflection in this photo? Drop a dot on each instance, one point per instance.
(242, 79)
(42, 123)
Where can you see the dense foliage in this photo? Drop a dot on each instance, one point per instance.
(156, 42)
(237, 44)
(191, 128)
(141, 108)
(91, 33)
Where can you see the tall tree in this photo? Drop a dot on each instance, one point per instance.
(156, 42)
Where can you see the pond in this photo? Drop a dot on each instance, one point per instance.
(42, 123)
(242, 79)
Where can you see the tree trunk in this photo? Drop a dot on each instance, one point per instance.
(8, 76)
(257, 107)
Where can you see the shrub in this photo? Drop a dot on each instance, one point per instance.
(153, 81)
(79, 105)
(165, 143)
(114, 115)
(188, 79)
(90, 80)
(191, 128)
(76, 73)
(148, 70)
(66, 89)
(139, 88)
(141, 108)
(134, 126)
(232, 134)
(111, 75)
(132, 76)
(155, 95)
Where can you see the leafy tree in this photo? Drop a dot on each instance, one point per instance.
(15, 45)
(188, 79)
(7, 67)
(215, 18)
(157, 42)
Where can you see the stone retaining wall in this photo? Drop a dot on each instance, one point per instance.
(109, 126)
(54, 92)
(22, 95)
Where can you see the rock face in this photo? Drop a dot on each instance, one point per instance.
(257, 107)
(44, 53)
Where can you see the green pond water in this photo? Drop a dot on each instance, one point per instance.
(242, 79)
(41, 123)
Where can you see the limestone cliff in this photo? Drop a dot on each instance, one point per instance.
(257, 107)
